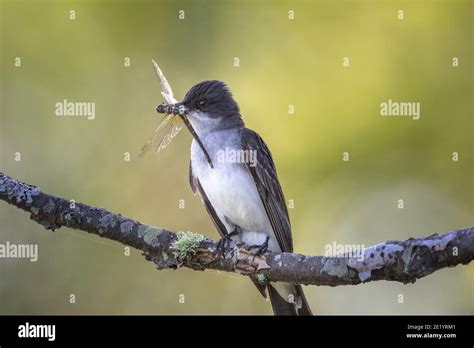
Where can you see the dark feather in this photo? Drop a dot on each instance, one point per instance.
(266, 180)
(282, 307)
(279, 305)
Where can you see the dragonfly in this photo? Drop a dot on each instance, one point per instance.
(165, 132)
(174, 120)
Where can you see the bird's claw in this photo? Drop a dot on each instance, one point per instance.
(223, 243)
(261, 249)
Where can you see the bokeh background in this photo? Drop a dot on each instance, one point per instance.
(282, 62)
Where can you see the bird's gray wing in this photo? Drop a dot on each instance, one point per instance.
(266, 180)
(196, 187)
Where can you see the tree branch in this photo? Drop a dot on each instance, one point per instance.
(403, 261)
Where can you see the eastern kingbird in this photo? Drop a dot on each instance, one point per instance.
(233, 172)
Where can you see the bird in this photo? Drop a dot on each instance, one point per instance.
(233, 172)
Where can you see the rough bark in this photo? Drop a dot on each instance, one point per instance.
(403, 261)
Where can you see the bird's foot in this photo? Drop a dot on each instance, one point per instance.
(260, 249)
(223, 243)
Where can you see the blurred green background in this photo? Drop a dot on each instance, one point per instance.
(282, 62)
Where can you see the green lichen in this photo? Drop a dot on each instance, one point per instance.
(149, 234)
(335, 267)
(186, 243)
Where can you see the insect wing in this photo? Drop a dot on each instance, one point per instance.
(168, 128)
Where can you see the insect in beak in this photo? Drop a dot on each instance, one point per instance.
(180, 110)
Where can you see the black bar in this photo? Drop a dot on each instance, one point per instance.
(209, 330)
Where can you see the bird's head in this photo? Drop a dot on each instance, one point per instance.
(207, 106)
(211, 99)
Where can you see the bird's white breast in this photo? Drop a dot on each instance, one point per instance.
(232, 192)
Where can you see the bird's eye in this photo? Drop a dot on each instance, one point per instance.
(202, 103)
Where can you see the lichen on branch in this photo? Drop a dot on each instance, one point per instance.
(403, 261)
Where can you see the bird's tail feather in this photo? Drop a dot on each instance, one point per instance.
(281, 306)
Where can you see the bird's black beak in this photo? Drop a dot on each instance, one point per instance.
(180, 110)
